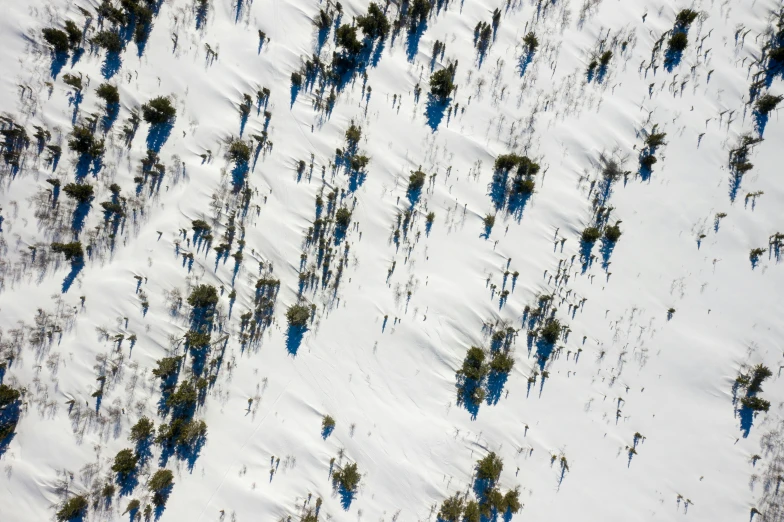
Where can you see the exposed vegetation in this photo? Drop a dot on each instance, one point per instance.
(158, 111)
(374, 24)
(442, 82)
(108, 93)
(71, 250)
(298, 315)
(347, 477)
(81, 193)
(73, 509)
(203, 296)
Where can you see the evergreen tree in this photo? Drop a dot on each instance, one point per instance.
(441, 83)
(158, 111)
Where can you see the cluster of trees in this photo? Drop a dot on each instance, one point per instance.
(84, 142)
(132, 16)
(599, 226)
(324, 239)
(351, 157)
(347, 478)
(179, 433)
(472, 377)
(9, 413)
(776, 42)
(600, 62)
(254, 323)
(442, 82)
(483, 32)
(489, 500)
(679, 38)
(15, 141)
(739, 163)
(73, 509)
(653, 140)
(136, 15)
(611, 233)
(522, 181)
(541, 321)
(63, 40)
(355, 43)
(751, 383)
(159, 486)
(203, 300)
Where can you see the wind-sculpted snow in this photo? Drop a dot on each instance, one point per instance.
(411, 260)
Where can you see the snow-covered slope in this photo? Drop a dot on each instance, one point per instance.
(633, 413)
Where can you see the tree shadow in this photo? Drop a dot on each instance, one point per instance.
(127, 482)
(141, 46)
(434, 110)
(9, 418)
(76, 101)
(498, 188)
(466, 392)
(495, 386)
(346, 497)
(159, 499)
(355, 179)
(77, 264)
(486, 235)
(601, 74)
(238, 176)
(516, 206)
(735, 181)
(58, 62)
(157, 135)
(378, 51)
(746, 416)
(111, 65)
(481, 487)
(585, 254)
(544, 350)
(112, 111)
(294, 336)
(144, 451)
(321, 38)
(775, 68)
(240, 8)
(190, 452)
(413, 36)
(76, 56)
(294, 93)
(133, 514)
(645, 172)
(87, 164)
(79, 216)
(606, 250)
(201, 15)
(672, 59)
(760, 122)
(413, 194)
(524, 61)
(589, 76)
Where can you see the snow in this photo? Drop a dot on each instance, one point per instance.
(392, 389)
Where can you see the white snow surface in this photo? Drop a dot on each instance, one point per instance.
(392, 390)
